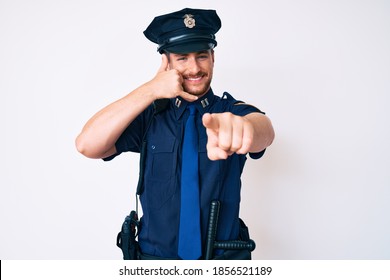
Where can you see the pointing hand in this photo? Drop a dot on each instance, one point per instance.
(227, 134)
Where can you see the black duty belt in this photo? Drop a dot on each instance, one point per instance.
(233, 249)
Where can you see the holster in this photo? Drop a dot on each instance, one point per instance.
(126, 239)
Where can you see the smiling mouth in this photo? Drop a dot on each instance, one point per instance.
(194, 79)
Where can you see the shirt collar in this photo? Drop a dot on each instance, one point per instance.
(203, 104)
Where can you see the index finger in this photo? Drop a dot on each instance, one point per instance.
(210, 122)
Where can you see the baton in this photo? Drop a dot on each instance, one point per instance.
(211, 244)
(212, 229)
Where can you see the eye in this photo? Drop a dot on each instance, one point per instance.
(181, 58)
(203, 57)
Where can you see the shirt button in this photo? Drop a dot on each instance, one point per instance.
(153, 147)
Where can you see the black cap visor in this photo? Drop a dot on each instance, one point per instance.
(188, 48)
(188, 44)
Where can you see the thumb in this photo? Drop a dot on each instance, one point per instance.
(164, 63)
(210, 122)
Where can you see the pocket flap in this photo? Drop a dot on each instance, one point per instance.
(163, 146)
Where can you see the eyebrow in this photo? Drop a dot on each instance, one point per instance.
(197, 53)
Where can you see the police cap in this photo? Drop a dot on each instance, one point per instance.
(184, 31)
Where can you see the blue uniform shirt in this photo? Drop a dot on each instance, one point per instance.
(161, 197)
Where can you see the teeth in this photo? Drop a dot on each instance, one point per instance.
(194, 79)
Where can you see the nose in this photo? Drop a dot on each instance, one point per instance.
(193, 66)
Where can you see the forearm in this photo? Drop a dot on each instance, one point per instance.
(263, 134)
(98, 136)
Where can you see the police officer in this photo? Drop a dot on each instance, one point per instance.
(227, 131)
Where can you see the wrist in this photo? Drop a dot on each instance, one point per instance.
(149, 92)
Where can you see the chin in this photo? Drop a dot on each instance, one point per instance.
(197, 91)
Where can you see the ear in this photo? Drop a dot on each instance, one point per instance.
(169, 60)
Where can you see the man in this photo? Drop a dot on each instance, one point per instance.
(227, 130)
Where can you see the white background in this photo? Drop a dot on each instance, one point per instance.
(320, 70)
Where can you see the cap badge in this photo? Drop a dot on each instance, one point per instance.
(189, 21)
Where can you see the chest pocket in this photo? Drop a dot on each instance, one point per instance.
(162, 160)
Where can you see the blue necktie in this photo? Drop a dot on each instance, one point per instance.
(190, 247)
